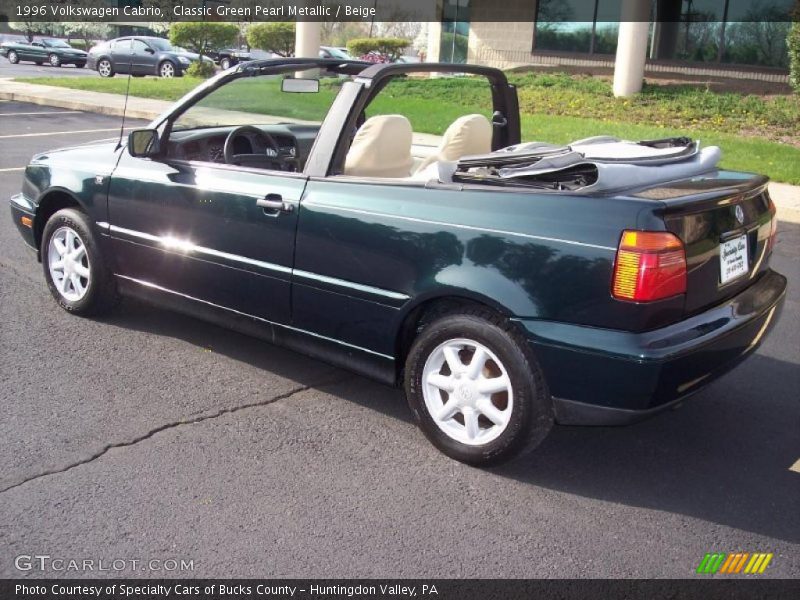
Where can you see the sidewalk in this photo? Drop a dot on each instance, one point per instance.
(785, 196)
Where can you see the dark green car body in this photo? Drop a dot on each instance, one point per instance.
(52, 51)
(350, 269)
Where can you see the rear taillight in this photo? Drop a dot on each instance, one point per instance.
(650, 265)
(773, 226)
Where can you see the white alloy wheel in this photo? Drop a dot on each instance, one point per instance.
(467, 391)
(104, 68)
(55, 61)
(69, 264)
(12, 57)
(225, 63)
(167, 69)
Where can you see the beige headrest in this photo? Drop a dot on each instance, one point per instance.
(381, 148)
(470, 134)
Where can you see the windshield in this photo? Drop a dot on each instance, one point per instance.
(159, 44)
(56, 44)
(259, 100)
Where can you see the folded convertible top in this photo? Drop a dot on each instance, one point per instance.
(592, 164)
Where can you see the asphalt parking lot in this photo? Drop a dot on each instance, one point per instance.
(151, 435)
(26, 69)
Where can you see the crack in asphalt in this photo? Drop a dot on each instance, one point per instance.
(173, 425)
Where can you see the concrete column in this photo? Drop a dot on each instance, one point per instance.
(631, 47)
(307, 39)
(434, 41)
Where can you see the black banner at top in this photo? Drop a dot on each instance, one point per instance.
(552, 11)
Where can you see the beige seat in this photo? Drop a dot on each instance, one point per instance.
(381, 148)
(470, 134)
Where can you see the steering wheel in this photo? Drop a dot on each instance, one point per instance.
(254, 158)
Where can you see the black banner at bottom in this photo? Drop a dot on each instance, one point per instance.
(395, 589)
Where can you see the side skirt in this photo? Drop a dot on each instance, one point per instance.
(361, 361)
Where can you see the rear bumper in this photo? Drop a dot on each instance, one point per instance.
(609, 377)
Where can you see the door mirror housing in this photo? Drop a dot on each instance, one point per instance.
(149, 50)
(143, 143)
(294, 85)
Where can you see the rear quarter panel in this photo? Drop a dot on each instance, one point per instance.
(539, 256)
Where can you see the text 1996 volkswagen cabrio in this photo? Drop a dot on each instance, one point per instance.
(506, 285)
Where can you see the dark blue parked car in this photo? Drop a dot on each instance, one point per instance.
(140, 56)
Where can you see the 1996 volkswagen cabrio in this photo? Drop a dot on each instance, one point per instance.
(506, 285)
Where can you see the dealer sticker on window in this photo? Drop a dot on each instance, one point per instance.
(733, 259)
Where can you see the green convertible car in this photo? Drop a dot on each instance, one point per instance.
(48, 50)
(505, 285)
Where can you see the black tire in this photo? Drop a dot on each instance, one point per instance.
(54, 60)
(105, 68)
(225, 64)
(101, 292)
(531, 414)
(13, 57)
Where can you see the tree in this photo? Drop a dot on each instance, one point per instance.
(202, 36)
(32, 28)
(388, 48)
(420, 43)
(86, 31)
(276, 37)
(793, 42)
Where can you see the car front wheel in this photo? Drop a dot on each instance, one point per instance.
(74, 267)
(54, 60)
(167, 69)
(104, 68)
(476, 390)
(225, 64)
(13, 57)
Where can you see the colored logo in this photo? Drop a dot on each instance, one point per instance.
(741, 562)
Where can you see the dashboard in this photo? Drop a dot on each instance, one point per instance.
(207, 144)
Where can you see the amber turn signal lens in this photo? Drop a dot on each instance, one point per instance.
(27, 221)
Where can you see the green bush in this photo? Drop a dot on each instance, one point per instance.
(391, 48)
(272, 37)
(203, 70)
(202, 36)
(793, 42)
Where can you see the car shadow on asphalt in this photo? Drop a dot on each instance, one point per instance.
(723, 456)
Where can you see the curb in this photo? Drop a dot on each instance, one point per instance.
(106, 104)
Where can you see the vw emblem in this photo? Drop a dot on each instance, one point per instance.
(739, 214)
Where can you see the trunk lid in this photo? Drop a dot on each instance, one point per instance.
(725, 222)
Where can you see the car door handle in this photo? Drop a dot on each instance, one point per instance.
(274, 202)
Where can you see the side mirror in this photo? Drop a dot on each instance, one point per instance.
(300, 86)
(143, 142)
(149, 50)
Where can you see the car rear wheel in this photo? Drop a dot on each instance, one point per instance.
(225, 64)
(104, 68)
(54, 60)
(166, 69)
(476, 390)
(13, 57)
(74, 267)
